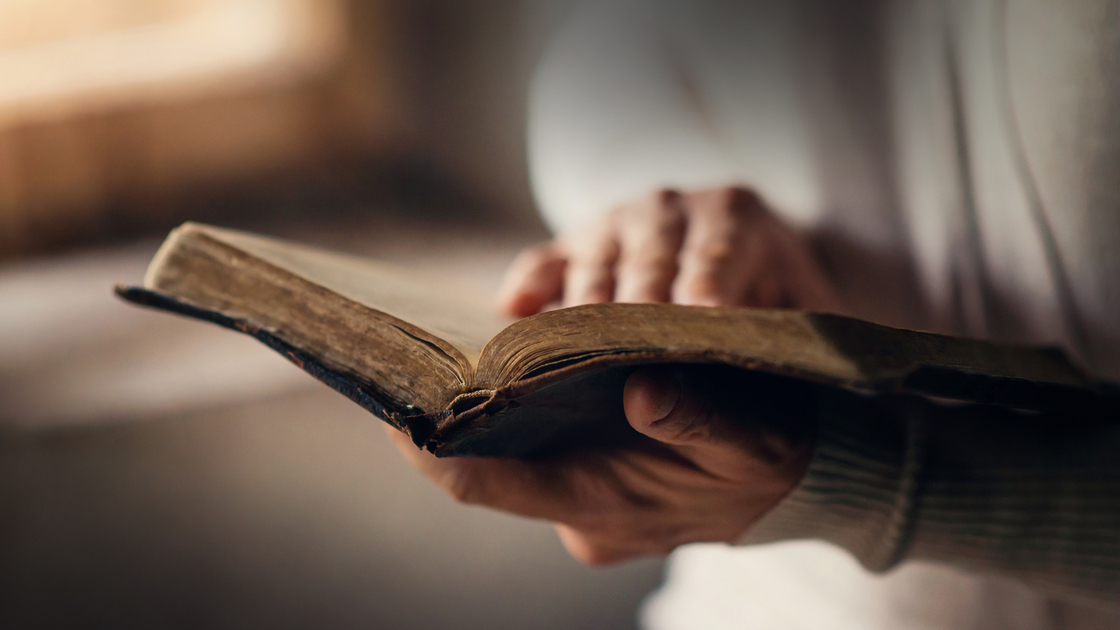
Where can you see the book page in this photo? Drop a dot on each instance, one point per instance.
(815, 346)
(452, 312)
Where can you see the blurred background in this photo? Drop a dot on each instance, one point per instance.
(157, 472)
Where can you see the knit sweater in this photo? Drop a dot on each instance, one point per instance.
(957, 162)
(1031, 496)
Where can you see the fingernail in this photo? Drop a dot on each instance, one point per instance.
(669, 396)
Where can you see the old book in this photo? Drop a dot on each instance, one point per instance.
(437, 362)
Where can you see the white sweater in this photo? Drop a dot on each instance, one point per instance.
(960, 161)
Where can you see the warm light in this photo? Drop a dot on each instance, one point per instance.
(57, 56)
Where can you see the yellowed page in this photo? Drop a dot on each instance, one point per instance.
(461, 317)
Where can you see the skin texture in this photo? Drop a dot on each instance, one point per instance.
(719, 448)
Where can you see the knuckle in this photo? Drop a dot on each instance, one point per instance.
(592, 252)
(590, 272)
(712, 254)
(599, 236)
(684, 428)
(698, 292)
(649, 262)
(539, 255)
(590, 262)
(739, 203)
(741, 196)
(660, 207)
(590, 291)
(669, 224)
(663, 197)
(717, 253)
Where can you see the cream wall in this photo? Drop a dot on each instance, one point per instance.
(112, 111)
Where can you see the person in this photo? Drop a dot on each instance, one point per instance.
(943, 165)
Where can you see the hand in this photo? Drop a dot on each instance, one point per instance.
(718, 247)
(702, 472)
(720, 447)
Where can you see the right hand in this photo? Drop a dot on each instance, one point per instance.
(717, 247)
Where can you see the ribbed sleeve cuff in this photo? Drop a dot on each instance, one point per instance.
(860, 488)
(1030, 496)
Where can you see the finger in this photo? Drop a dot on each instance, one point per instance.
(705, 422)
(777, 270)
(713, 260)
(657, 405)
(534, 280)
(811, 287)
(512, 485)
(590, 552)
(650, 237)
(589, 275)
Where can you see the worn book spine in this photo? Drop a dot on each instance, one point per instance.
(420, 427)
(580, 402)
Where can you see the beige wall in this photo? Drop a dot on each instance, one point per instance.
(434, 83)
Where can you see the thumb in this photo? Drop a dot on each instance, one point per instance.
(710, 415)
(661, 404)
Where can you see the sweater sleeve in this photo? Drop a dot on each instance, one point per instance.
(613, 115)
(1035, 497)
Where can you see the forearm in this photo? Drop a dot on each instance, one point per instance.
(1036, 497)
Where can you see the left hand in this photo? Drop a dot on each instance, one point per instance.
(703, 473)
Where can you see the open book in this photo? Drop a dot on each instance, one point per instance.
(436, 361)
